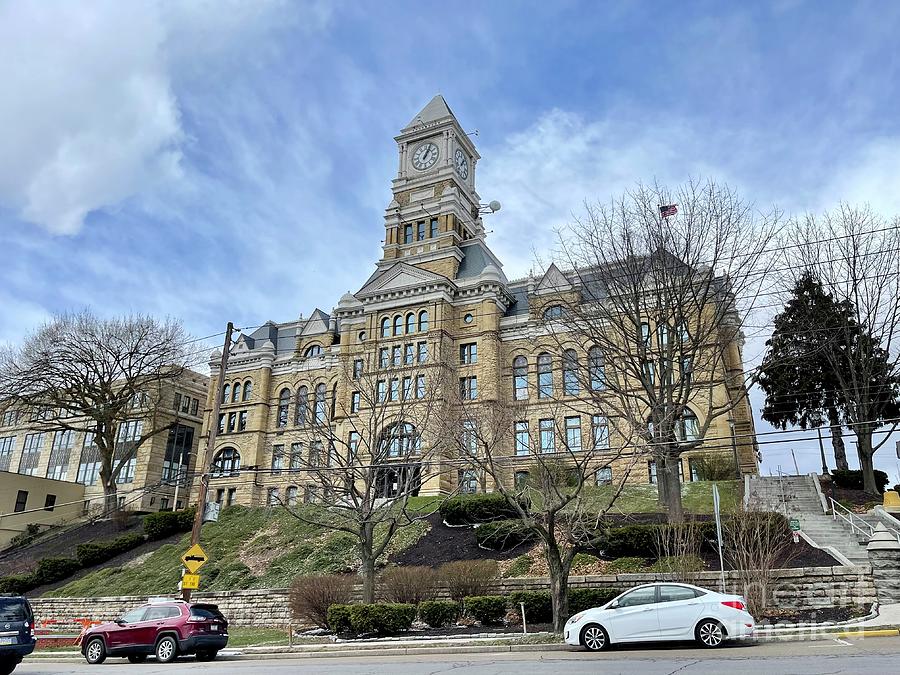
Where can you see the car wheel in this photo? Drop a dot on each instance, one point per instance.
(95, 651)
(137, 658)
(7, 666)
(206, 654)
(166, 649)
(710, 633)
(594, 637)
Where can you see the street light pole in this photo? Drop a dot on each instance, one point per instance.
(210, 444)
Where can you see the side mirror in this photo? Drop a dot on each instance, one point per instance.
(614, 604)
(119, 622)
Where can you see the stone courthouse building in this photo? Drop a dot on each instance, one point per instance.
(438, 289)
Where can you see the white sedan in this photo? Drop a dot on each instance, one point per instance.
(664, 611)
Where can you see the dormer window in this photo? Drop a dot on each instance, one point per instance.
(553, 312)
(313, 350)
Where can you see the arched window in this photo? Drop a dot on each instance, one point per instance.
(248, 389)
(385, 327)
(284, 402)
(400, 440)
(423, 320)
(321, 408)
(313, 350)
(688, 427)
(236, 392)
(553, 312)
(291, 495)
(596, 368)
(410, 323)
(227, 462)
(571, 387)
(662, 335)
(226, 393)
(300, 414)
(520, 378)
(398, 325)
(545, 375)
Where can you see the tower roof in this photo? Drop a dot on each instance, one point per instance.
(437, 109)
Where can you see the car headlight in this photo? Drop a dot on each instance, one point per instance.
(576, 618)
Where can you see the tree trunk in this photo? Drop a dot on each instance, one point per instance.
(866, 459)
(110, 496)
(367, 560)
(559, 586)
(837, 440)
(673, 492)
(661, 483)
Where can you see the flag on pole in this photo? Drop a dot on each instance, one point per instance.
(668, 210)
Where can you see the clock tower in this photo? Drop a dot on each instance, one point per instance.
(435, 206)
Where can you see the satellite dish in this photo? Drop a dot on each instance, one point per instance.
(494, 206)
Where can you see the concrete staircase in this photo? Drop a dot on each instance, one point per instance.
(796, 497)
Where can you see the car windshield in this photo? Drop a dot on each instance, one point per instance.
(206, 611)
(13, 610)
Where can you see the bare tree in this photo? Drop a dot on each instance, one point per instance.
(362, 458)
(547, 477)
(853, 253)
(661, 301)
(106, 377)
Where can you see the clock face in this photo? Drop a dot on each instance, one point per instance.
(462, 164)
(425, 156)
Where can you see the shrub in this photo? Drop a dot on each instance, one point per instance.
(852, 479)
(51, 570)
(488, 609)
(630, 540)
(483, 508)
(439, 613)
(678, 564)
(504, 535)
(520, 566)
(715, 466)
(311, 597)
(32, 530)
(94, 553)
(410, 585)
(17, 584)
(581, 599)
(538, 605)
(382, 618)
(467, 577)
(629, 565)
(338, 618)
(165, 523)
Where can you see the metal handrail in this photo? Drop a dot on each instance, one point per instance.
(851, 520)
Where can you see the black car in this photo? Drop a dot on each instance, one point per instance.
(16, 632)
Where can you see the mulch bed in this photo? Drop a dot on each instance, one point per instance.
(858, 498)
(819, 615)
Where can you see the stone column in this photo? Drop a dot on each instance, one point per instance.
(884, 555)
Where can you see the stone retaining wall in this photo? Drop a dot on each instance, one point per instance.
(809, 587)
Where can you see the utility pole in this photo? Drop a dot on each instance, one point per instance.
(210, 444)
(822, 452)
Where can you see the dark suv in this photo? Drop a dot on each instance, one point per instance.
(166, 629)
(16, 632)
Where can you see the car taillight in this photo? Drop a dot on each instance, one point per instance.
(193, 618)
(735, 604)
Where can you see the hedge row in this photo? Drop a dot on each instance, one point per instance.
(48, 571)
(852, 479)
(390, 618)
(166, 523)
(94, 553)
(481, 508)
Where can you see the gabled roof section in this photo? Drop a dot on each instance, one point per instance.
(553, 281)
(316, 324)
(399, 276)
(437, 109)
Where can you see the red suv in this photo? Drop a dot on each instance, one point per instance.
(166, 629)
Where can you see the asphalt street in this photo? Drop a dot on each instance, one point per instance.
(797, 658)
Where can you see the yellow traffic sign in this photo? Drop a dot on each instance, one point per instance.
(194, 558)
(190, 581)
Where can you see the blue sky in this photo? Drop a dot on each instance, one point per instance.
(225, 160)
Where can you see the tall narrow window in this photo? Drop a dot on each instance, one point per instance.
(296, 459)
(571, 387)
(573, 434)
(284, 402)
(420, 386)
(384, 358)
(31, 454)
(422, 352)
(248, 389)
(226, 393)
(604, 476)
(385, 327)
(520, 378)
(468, 353)
(548, 436)
(354, 402)
(688, 427)
(423, 320)
(357, 369)
(382, 391)
(662, 335)
(292, 495)
(242, 421)
(58, 466)
(687, 370)
(236, 392)
(407, 388)
(396, 356)
(321, 406)
(597, 368)
(545, 376)
(408, 234)
(469, 439)
(277, 458)
(434, 228)
(398, 325)
(395, 390)
(645, 334)
(650, 372)
(523, 442)
(409, 353)
(7, 445)
(420, 231)
(301, 414)
(232, 422)
(410, 323)
(353, 444)
(651, 471)
(600, 432)
(468, 388)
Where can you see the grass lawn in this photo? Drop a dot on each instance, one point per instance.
(248, 548)
(696, 497)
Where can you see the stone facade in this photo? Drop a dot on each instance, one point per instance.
(437, 291)
(801, 588)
